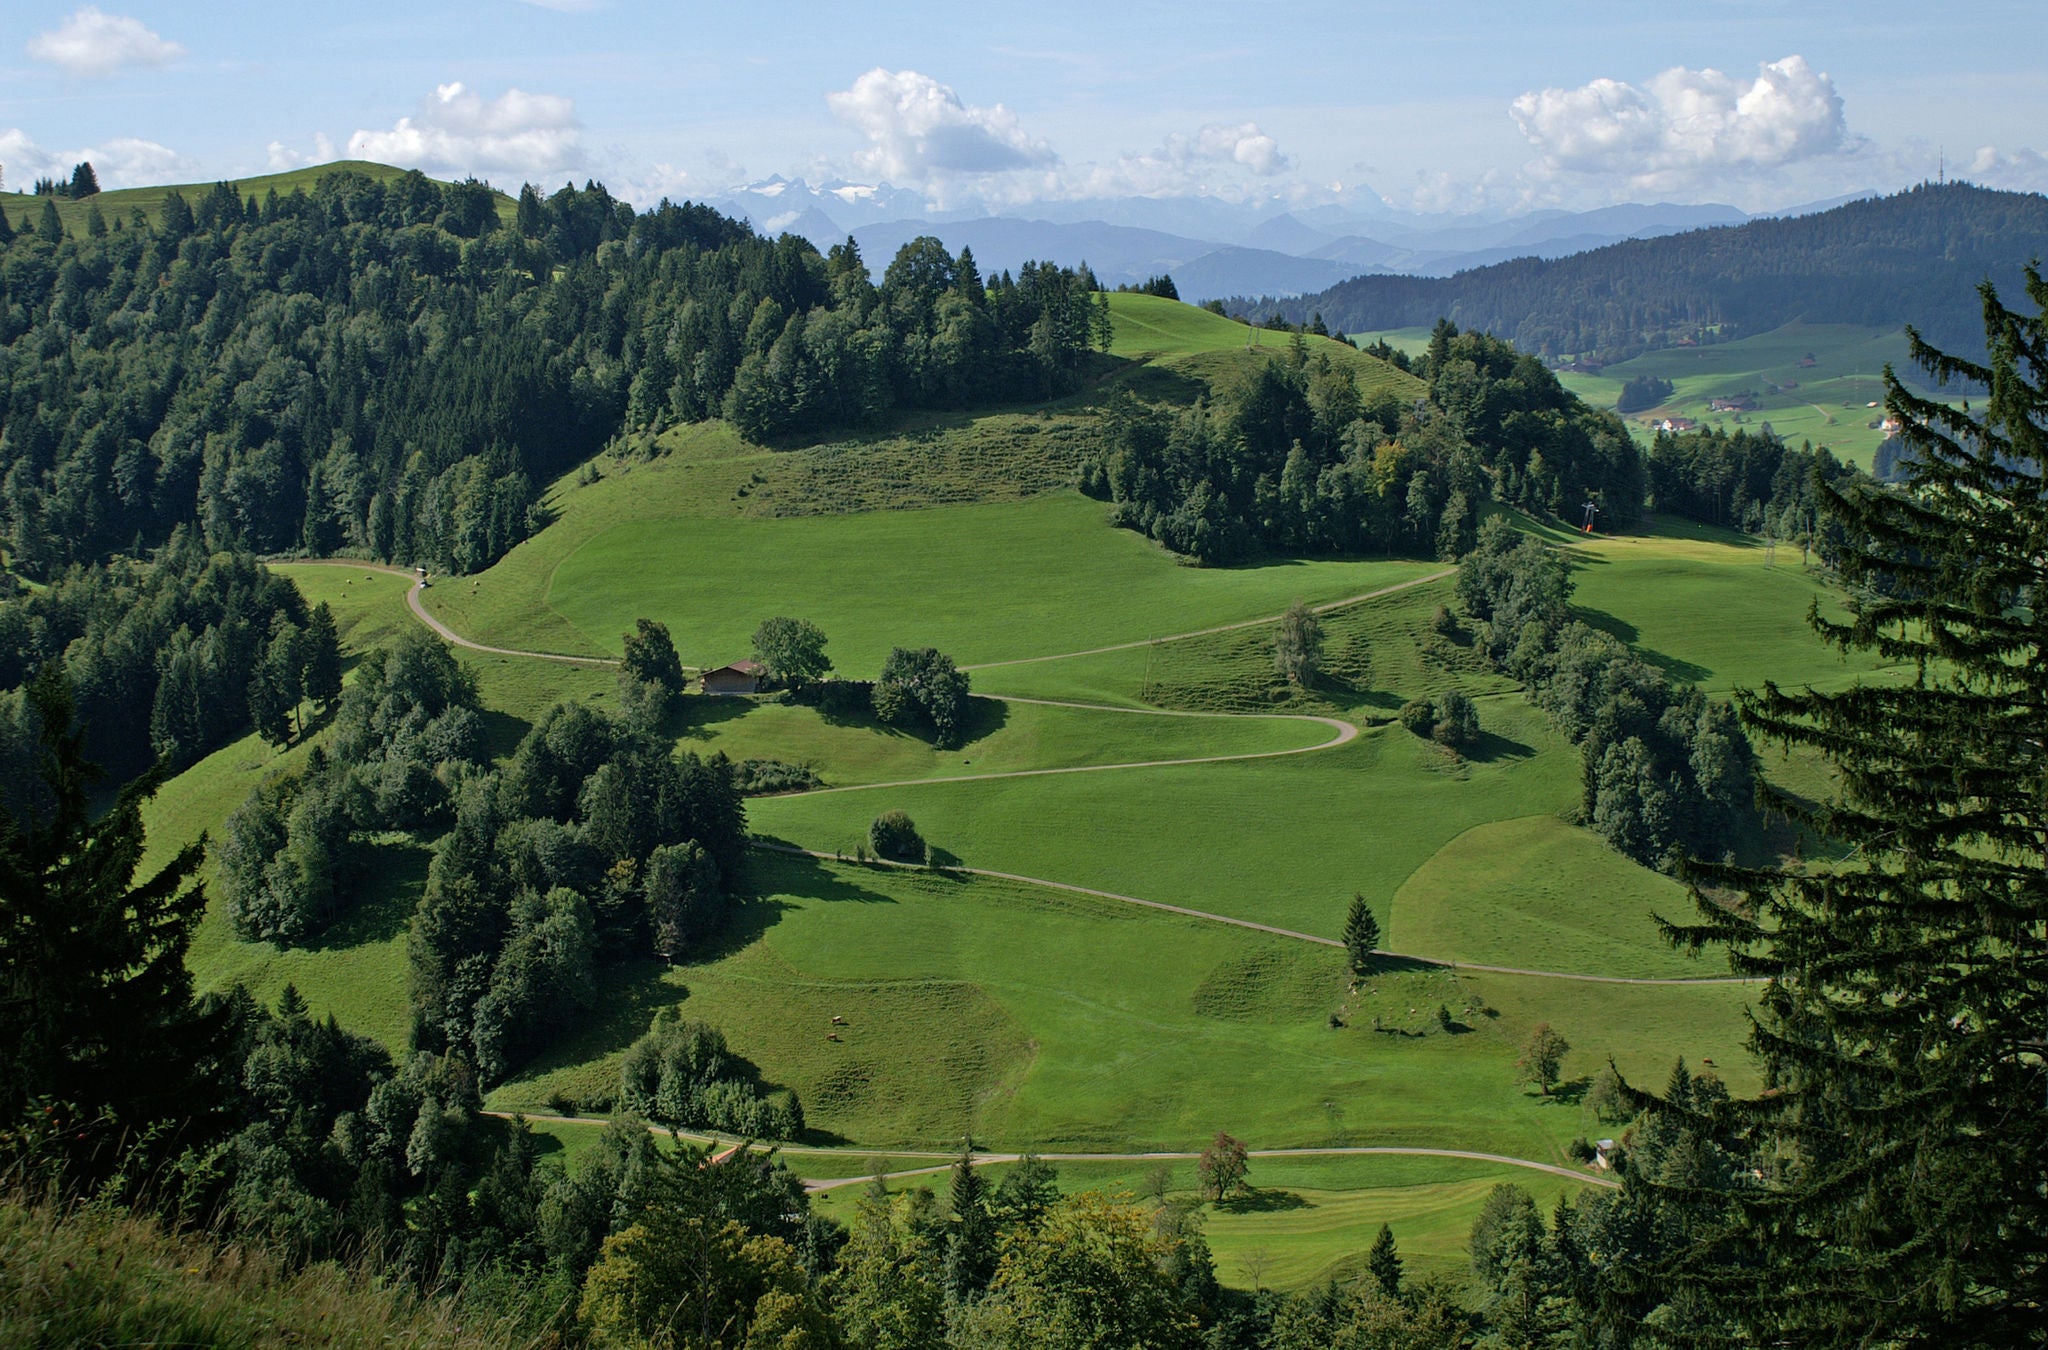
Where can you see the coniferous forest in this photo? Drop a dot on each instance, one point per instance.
(393, 370)
(1909, 258)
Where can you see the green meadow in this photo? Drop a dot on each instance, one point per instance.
(1066, 1023)
(1033, 1017)
(120, 204)
(1714, 607)
(1811, 382)
(1305, 1222)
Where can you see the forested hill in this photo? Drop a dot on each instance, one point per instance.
(1914, 257)
(391, 366)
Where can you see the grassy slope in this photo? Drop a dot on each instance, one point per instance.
(1308, 1220)
(1711, 606)
(93, 1277)
(1036, 1019)
(1541, 894)
(1826, 403)
(1278, 841)
(24, 209)
(1002, 737)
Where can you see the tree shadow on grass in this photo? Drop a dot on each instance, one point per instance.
(1676, 668)
(1570, 1092)
(503, 732)
(627, 997)
(697, 713)
(1255, 1201)
(1492, 747)
(799, 874)
(391, 877)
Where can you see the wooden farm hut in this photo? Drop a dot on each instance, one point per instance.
(741, 677)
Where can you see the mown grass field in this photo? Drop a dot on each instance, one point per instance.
(1541, 894)
(1713, 607)
(1036, 1018)
(1001, 737)
(1285, 841)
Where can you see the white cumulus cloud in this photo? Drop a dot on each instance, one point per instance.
(2020, 170)
(456, 131)
(1244, 145)
(124, 161)
(283, 158)
(1685, 128)
(920, 130)
(92, 42)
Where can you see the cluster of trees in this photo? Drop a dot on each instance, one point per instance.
(84, 182)
(1450, 719)
(922, 688)
(1161, 286)
(1749, 481)
(1667, 771)
(838, 351)
(169, 658)
(1582, 1278)
(1303, 463)
(594, 844)
(1913, 256)
(683, 1074)
(1644, 391)
(392, 369)
(408, 732)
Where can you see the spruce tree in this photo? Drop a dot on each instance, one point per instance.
(1904, 1136)
(96, 1012)
(322, 678)
(1361, 934)
(971, 1237)
(1384, 1262)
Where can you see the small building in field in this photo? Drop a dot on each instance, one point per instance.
(741, 677)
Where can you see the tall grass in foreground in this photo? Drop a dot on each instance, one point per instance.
(88, 1275)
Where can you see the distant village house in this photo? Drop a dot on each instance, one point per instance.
(741, 677)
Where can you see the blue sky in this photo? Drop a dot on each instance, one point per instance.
(1480, 105)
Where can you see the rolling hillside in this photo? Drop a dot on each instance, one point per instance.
(1914, 257)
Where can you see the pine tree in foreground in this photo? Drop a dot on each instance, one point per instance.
(1903, 1139)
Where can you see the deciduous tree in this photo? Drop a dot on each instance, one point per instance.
(1223, 1167)
(1298, 645)
(1543, 1058)
(792, 649)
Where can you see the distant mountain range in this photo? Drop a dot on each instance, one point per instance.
(1212, 248)
(1914, 257)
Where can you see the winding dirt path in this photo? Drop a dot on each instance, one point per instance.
(442, 630)
(1327, 608)
(980, 1159)
(1344, 733)
(1209, 917)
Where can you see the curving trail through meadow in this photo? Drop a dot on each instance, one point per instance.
(981, 1159)
(1343, 734)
